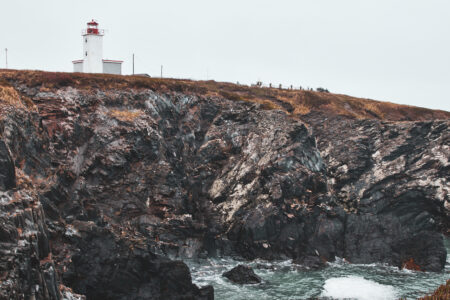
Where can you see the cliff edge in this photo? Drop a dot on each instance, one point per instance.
(106, 179)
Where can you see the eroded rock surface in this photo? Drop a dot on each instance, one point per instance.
(26, 265)
(7, 169)
(114, 182)
(393, 180)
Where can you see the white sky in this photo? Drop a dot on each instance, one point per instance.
(392, 50)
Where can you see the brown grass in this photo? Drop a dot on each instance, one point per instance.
(295, 102)
(126, 115)
(266, 104)
(442, 292)
(10, 96)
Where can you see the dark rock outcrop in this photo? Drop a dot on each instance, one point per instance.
(7, 169)
(393, 181)
(104, 267)
(113, 182)
(242, 274)
(70, 243)
(26, 265)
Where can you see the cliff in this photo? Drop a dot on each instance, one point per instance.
(106, 179)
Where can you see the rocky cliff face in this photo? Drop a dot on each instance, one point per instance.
(392, 178)
(100, 186)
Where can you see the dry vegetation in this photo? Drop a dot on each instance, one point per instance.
(126, 115)
(292, 101)
(443, 292)
(9, 96)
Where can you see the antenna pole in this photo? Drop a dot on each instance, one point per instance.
(6, 56)
(161, 71)
(133, 63)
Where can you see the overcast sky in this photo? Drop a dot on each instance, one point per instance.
(391, 50)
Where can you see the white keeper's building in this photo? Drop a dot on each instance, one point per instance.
(93, 61)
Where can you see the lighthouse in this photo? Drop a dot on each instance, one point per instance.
(93, 61)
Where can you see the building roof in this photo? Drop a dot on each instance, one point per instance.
(113, 61)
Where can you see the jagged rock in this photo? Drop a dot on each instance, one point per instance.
(391, 179)
(117, 175)
(7, 169)
(106, 268)
(242, 275)
(26, 265)
(68, 294)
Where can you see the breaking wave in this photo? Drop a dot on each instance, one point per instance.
(354, 287)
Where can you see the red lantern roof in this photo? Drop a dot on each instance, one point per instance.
(92, 28)
(92, 23)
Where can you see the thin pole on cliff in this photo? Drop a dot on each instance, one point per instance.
(6, 57)
(161, 71)
(133, 63)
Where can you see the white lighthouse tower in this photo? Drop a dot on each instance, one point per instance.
(93, 48)
(93, 61)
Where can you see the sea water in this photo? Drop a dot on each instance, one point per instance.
(339, 280)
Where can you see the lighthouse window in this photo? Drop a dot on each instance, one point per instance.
(86, 53)
(85, 40)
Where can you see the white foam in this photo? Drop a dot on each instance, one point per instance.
(353, 287)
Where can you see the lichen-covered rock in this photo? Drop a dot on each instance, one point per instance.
(26, 265)
(43, 251)
(393, 181)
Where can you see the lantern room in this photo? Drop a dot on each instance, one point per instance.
(92, 28)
